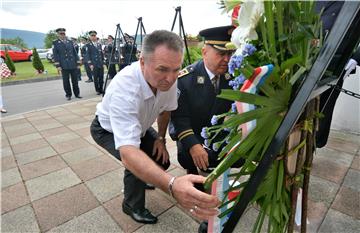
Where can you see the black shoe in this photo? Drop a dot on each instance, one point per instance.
(142, 216)
(203, 227)
(98, 93)
(79, 97)
(89, 81)
(149, 187)
(68, 98)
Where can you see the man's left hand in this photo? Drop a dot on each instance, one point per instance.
(160, 151)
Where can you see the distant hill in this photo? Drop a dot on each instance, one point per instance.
(32, 39)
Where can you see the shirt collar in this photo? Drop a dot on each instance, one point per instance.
(148, 93)
(210, 74)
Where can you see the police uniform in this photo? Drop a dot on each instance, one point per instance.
(95, 57)
(66, 57)
(197, 103)
(86, 65)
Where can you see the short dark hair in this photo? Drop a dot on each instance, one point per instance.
(162, 37)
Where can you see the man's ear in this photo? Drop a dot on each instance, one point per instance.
(142, 62)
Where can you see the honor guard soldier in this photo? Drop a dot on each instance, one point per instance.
(83, 47)
(198, 85)
(67, 62)
(95, 58)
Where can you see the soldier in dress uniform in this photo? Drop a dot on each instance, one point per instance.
(95, 58)
(83, 47)
(198, 85)
(67, 62)
(76, 47)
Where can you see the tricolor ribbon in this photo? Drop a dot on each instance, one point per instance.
(221, 184)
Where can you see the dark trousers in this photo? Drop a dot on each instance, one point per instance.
(88, 71)
(66, 74)
(111, 71)
(187, 162)
(98, 74)
(79, 74)
(134, 188)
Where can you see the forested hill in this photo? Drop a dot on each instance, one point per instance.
(31, 39)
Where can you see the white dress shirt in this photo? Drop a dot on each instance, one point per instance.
(129, 106)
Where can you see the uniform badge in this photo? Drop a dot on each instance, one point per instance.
(227, 76)
(200, 79)
(178, 93)
(183, 72)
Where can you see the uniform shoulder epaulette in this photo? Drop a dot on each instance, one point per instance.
(185, 71)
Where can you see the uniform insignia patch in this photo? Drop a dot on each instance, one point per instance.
(178, 93)
(183, 72)
(227, 76)
(200, 80)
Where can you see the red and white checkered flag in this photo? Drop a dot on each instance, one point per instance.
(5, 72)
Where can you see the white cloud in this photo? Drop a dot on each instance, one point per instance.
(79, 15)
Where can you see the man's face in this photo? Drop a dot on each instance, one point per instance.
(93, 37)
(216, 60)
(61, 34)
(162, 67)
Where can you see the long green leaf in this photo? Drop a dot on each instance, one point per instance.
(248, 98)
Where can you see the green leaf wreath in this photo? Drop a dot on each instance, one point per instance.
(286, 34)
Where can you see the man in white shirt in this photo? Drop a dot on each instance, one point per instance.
(136, 97)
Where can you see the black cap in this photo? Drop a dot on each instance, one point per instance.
(60, 30)
(111, 37)
(92, 32)
(218, 37)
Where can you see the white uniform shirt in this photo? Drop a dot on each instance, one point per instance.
(129, 106)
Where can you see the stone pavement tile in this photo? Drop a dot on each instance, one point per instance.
(84, 111)
(356, 163)
(64, 137)
(70, 119)
(248, 220)
(35, 114)
(329, 170)
(338, 222)
(29, 146)
(114, 208)
(84, 132)
(27, 129)
(55, 131)
(346, 146)
(71, 145)
(4, 140)
(352, 180)
(79, 125)
(82, 154)
(55, 112)
(24, 139)
(34, 155)
(95, 167)
(36, 118)
(158, 202)
(51, 183)
(107, 186)
(347, 201)
(335, 156)
(5, 151)
(316, 214)
(91, 141)
(173, 220)
(13, 197)
(7, 162)
(321, 190)
(12, 118)
(20, 220)
(10, 177)
(177, 172)
(96, 220)
(42, 167)
(49, 125)
(60, 207)
(90, 117)
(5, 122)
(345, 136)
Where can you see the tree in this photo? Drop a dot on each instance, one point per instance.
(37, 64)
(50, 36)
(10, 64)
(14, 41)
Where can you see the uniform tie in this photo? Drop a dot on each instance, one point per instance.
(215, 83)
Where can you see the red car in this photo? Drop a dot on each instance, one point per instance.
(16, 53)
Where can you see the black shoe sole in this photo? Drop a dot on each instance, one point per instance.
(128, 211)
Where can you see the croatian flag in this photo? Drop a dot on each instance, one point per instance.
(222, 184)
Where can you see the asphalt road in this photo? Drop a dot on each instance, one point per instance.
(34, 96)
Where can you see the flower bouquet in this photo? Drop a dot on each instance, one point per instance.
(277, 43)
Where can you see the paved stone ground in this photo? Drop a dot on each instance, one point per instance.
(55, 179)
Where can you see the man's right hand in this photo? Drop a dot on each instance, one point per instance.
(199, 156)
(59, 70)
(91, 67)
(200, 204)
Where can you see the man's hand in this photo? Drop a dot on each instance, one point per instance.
(91, 67)
(199, 156)
(159, 149)
(201, 205)
(59, 70)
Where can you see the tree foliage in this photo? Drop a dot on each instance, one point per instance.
(14, 41)
(9, 62)
(50, 36)
(36, 62)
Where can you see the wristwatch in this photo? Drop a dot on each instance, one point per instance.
(162, 139)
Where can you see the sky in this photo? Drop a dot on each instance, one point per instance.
(79, 16)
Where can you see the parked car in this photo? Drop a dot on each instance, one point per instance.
(15, 53)
(42, 53)
(49, 55)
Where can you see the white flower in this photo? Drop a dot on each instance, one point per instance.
(249, 15)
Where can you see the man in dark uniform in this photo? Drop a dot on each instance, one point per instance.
(76, 47)
(84, 42)
(95, 58)
(198, 85)
(67, 62)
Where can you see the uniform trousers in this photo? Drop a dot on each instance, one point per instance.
(88, 71)
(134, 188)
(98, 74)
(66, 74)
